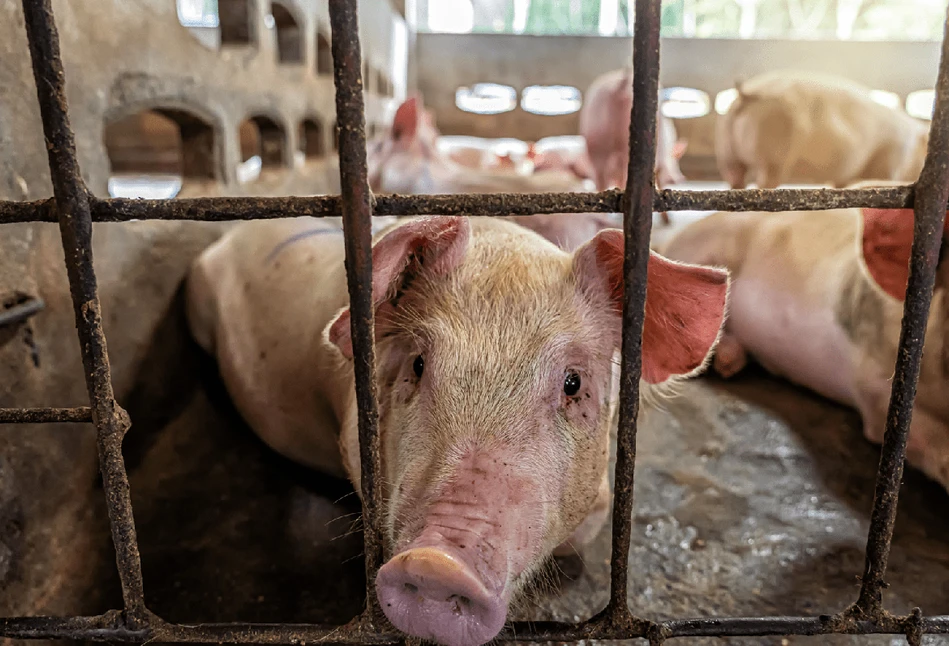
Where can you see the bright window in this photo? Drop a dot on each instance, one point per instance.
(796, 19)
(684, 103)
(486, 98)
(198, 13)
(919, 104)
(551, 100)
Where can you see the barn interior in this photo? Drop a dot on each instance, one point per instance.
(752, 495)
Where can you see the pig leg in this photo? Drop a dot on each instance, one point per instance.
(734, 172)
(769, 175)
(927, 447)
(730, 358)
(592, 524)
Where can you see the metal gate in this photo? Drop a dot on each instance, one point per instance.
(75, 210)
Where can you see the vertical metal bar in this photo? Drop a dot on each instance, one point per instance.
(932, 193)
(75, 225)
(637, 225)
(357, 229)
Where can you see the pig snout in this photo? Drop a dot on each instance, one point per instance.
(454, 576)
(432, 593)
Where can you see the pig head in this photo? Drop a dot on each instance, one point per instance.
(496, 389)
(392, 157)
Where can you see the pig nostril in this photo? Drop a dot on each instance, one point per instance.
(411, 588)
(459, 602)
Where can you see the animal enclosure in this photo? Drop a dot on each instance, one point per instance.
(75, 210)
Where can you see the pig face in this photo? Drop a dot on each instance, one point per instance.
(396, 158)
(494, 367)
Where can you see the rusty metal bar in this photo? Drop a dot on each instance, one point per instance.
(216, 209)
(637, 224)
(21, 311)
(75, 225)
(110, 627)
(932, 194)
(80, 414)
(357, 231)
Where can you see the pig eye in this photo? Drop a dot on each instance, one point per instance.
(571, 385)
(419, 366)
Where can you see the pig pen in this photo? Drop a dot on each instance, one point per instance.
(753, 503)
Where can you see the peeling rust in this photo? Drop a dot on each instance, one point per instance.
(81, 414)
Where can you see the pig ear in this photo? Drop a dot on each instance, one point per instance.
(406, 122)
(886, 244)
(678, 149)
(433, 244)
(685, 305)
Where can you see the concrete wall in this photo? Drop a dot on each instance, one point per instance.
(123, 57)
(447, 61)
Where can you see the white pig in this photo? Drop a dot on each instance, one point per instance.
(805, 127)
(407, 160)
(495, 378)
(817, 298)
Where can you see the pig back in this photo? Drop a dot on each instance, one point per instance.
(818, 128)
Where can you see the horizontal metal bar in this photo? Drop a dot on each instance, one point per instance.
(219, 209)
(21, 311)
(79, 414)
(110, 627)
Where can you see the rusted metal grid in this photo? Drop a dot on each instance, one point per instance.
(75, 210)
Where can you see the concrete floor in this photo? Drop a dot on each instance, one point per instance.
(752, 498)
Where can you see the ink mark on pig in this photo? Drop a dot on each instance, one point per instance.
(302, 235)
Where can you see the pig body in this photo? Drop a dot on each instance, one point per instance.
(604, 123)
(495, 378)
(817, 299)
(814, 128)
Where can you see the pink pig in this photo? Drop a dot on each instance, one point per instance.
(562, 153)
(604, 123)
(818, 298)
(407, 160)
(496, 386)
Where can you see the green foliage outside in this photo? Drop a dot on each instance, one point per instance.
(800, 19)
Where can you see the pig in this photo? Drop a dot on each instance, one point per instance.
(817, 298)
(407, 161)
(568, 153)
(496, 385)
(805, 127)
(604, 123)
